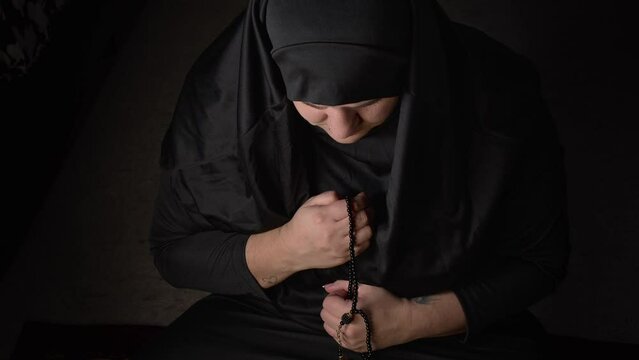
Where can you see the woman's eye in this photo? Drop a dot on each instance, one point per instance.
(319, 107)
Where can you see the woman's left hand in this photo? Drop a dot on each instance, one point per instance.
(389, 316)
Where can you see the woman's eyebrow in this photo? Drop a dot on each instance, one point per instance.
(314, 106)
(369, 102)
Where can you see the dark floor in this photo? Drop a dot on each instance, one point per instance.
(40, 340)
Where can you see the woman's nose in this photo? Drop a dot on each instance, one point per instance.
(343, 122)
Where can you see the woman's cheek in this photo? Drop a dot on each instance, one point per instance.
(313, 117)
(374, 116)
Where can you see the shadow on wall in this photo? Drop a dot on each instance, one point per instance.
(54, 56)
(584, 52)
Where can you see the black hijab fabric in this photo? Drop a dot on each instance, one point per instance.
(338, 52)
(450, 205)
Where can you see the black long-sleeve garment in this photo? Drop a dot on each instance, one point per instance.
(518, 222)
(214, 260)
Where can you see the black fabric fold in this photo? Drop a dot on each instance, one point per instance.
(474, 185)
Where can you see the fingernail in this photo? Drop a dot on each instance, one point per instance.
(327, 285)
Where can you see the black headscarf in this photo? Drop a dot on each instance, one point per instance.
(338, 52)
(424, 189)
(238, 143)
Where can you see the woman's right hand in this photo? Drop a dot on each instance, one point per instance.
(317, 235)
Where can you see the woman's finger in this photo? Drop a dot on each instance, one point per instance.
(360, 202)
(331, 331)
(337, 292)
(329, 319)
(364, 242)
(339, 210)
(362, 239)
(360, 218)
(363, 236)
(336, 305)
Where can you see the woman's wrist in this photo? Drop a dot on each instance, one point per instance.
(283, 244)
(436, 315)
(268, 258)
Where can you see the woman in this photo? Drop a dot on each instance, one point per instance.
(439, 135)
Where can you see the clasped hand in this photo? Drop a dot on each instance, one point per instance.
(388, 314)
(317, 238)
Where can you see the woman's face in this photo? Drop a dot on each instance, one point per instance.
(348, 123)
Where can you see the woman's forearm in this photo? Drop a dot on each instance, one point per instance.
(268, 259)
(436, 315)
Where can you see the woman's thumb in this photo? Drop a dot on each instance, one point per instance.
(325, 198)
(339, 286)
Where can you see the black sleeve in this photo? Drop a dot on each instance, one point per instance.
(518, 282)
(188, 257)
(529, 249)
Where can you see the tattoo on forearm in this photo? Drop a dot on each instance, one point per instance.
(423, 299)
(271, 280)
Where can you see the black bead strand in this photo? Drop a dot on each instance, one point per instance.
(352, 292)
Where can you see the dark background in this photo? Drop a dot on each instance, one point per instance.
(584, 51)
(81, 141)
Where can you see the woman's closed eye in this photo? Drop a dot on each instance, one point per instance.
(364, 104)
